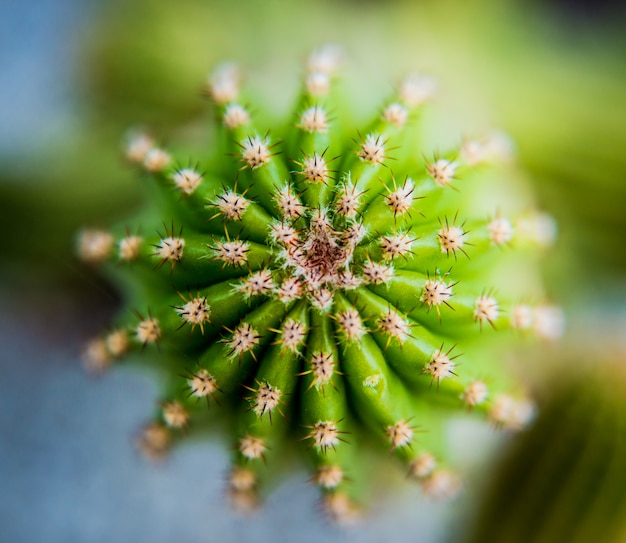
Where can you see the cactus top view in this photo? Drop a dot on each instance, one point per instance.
(331, 289)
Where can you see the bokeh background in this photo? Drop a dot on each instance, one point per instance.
(77, 73)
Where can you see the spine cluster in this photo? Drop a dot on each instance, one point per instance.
(322, 282)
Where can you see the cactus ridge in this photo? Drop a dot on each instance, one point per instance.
(318, 281)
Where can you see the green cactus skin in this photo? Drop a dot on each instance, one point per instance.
(564, 479)
(328, 287)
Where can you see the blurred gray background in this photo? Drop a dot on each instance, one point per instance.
(39, 44)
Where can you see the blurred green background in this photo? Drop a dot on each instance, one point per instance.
(545, 73)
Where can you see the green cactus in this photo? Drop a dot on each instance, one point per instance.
(326, 288)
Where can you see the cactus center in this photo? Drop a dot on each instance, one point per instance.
(321, 257)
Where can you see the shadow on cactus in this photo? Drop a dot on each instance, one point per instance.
(332, 289)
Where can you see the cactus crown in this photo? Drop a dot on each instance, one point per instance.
(320, 282)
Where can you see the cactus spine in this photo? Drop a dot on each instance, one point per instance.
(322, 284)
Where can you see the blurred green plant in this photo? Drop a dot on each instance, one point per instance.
(564, 478)
(47, 195)
(328, 282)
(555, 88)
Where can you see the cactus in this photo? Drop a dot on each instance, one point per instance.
(325, 288)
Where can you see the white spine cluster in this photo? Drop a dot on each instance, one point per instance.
(137, 146)
(322, 368)
(392, 324)
(170, 249)
(376, 273)
(372, 381)
(340, 509)
(235, 116)
(252, 447)
(317, 84)
(486, 309)
(175, 415)
(442, 484)
(320, 66)
(398, 245)
(244, 502)
(474, 152)
(400, 434)
(231, 205)
(422, 465)
(289, 204)
(451, 239)
(396, 114)
(233, 253)
(244, 339)
(148, 331)
(314, 120)
(255, 152)
(290, 289)
(129, 248)
(265, 400)
(540, 228)
(353, 234)
(156, 160)
(372, 149)
(284, 234)
(202, 384)
(96, 357)
(348, 200)
(329, 476)
(195, 312)
(154, 441)
(547, 321)
(94, 246)
(350, 325)
(348, 281)
(510, 413)
(401, 199)
(325, 60)
(117, 342)
(522, 317)
(322, 299)
(223, 84)
(442, 171)
(292, 335)
(187, 180)
(242, 479)
(325, 435)
(496, 146)
(475, 393)
(500, 231)
(440, 366)
(257, 284)
(435, 293)
(315, 169)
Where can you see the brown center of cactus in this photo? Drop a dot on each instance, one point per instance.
(321, 256)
